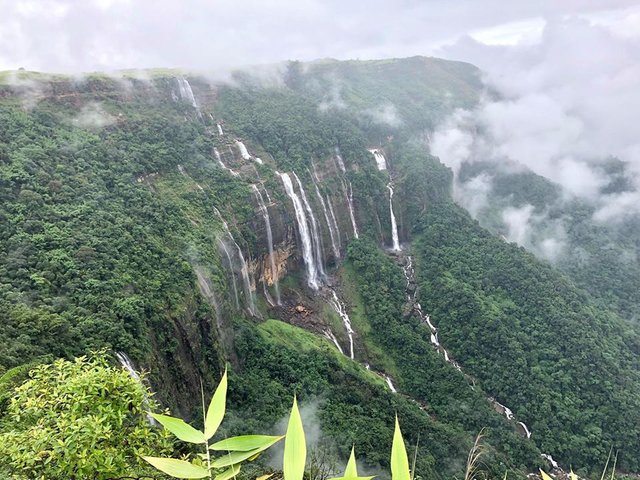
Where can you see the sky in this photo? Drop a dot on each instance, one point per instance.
(567, 72)
(73, 36)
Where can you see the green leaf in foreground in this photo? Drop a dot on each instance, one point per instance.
(177, 468)
(244, 443)
(352, 467)
(180, 428)
(230, 472)
(295, 448)
(399, 459)
(216, 409)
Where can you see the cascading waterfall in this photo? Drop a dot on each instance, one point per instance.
(390, 384)
(221, 163)
(186, 93)
(394, 225)
(381, 162)
(127, 364)
(220, 132)
(234, 284)
(340, 161)
(335, 242)
(409, 274)
(351, 214)
(207, 292)
(333, 219)
(303, 229)
(315, 230)
(244, 153)
(342, 312)
(244, 271)
(267, 222)
(525, 430)
(329, 334)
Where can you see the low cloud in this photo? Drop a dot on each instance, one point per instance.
(561, 107)
(93, 116)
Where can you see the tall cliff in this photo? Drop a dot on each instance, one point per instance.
(300, 230)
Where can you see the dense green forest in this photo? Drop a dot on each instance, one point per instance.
(130, 223)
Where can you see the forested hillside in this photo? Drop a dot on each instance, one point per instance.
(300, 232)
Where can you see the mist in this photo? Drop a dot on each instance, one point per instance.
(561, 102)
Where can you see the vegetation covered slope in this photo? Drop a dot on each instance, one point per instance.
(113, 202)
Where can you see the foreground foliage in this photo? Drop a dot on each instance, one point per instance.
(76, 420)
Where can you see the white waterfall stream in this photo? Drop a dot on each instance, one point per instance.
(335, 222)
(221, 163)
(340, 161)
(335, 239)
(244, 153)
(303, 230)
(390, 384)
(244, 271)
(342, 312)
(206, 291)
(234, 284)
(220, 132)
(186, 93)
(351, 213)
(329, 334)
(394, 225)
(267, 222)
(381, 162)
(127, 364)
(315, 231)
(409, 274)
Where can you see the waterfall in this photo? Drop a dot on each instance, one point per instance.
(394, 225)
(381, 162)
(127, 364)
(181, 170)
(342, 311)
(187, 94)
(525, 430)
(340, 161)
(329, 334)
(244, 271)
(233, 276)
(335, 244)
(303, 229)
(244, 153)
(221, 163)
(390, 384)
(351, 214)
(267, 222)
(315, 230)
(333, 219)
(243, 150)
(205, 290)
(220, 132)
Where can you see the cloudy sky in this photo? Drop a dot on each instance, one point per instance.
(87, 35)
(568, 71)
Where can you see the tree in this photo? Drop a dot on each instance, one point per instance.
(79, 419)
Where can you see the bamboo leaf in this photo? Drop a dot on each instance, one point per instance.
(295, 448)
(352, 468)
(572, 475)
(352, 478)
(230, 472)
(233, 458)
(265, 477)
(215, 412)
(545, 476)
(245, 443)
(180, 428)
(177, 468)
(399, 459)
